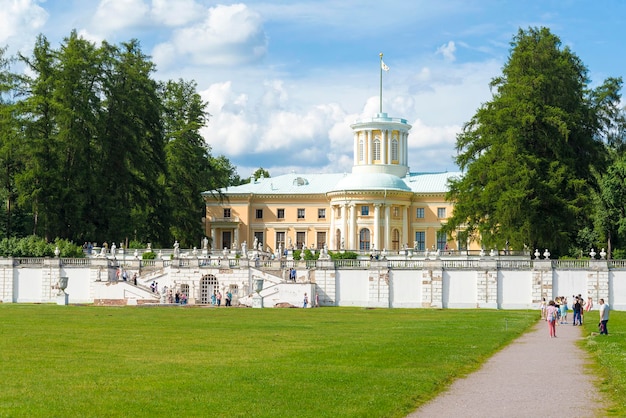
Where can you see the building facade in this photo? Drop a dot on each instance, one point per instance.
(379, 206)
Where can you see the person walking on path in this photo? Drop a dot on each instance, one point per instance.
(578, 311)
(604, 317)
(519, 382)
(551, 316)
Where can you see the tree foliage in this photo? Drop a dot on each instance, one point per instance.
(92, 148)
(528, 154)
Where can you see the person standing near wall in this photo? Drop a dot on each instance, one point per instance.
(306, 301)
(578, 311)
(551, 317)
(604, 317)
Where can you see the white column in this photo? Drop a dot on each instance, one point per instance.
(370, 152)
(405, 146)
(213, 238)
(331, 232)
(352, 228)
(344, 225)
(236, 235)
(376, 237)
(356, 148)
(387, 226)
(405, 226)
(383, 145)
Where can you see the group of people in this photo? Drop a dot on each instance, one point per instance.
(216, 298)
(555, 311)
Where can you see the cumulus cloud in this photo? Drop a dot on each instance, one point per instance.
(228, 36)
(447, 51)
(176, 12)
(20, 21)
(115, 15)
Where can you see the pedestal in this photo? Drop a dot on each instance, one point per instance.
(63, 299)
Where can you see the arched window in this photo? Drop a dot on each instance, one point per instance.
(395, 240)
(394, 148)
(364, 239)
(361, 149)
(377, 148)
(208, 285)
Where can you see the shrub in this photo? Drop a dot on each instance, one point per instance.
(148, 255)
(33, 246)
(346, 255)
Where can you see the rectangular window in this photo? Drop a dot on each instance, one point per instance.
(441, 213)
(300, 213)
(300, 240)
(365, 210)
(321, 240)
(259, 213)
(280, 213)
(419, 213)
(441, 240)
(321, 214)
(420, 240)
(396, 211)
(259, 239)
(280, 239)
(227, 213)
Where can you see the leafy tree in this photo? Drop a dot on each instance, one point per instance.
(38, 189)
(132, 166)
(188, 159)
(261, 172)
(527, 155)
(610, 204)
(13, 220)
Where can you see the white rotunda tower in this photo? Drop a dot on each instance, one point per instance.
(381, 145)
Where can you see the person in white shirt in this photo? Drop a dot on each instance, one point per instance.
(604, 317)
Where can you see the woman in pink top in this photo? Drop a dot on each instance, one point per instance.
(551, 316)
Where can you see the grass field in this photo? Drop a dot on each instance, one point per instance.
(147, 361)
(609, 353)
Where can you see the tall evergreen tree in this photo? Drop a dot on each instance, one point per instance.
(132, 159)
(37, 183)
(188, 159)
(10, 164)
(527, 154)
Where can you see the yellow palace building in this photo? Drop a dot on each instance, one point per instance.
(379, 206)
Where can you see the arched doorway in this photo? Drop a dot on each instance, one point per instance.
(395, 240)
(364, 239)
(208, 285)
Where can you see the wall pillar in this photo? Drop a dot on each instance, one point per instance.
(598, 282)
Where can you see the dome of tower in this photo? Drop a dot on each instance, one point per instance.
(371, 181)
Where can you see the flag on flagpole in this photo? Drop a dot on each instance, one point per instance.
(383, 65)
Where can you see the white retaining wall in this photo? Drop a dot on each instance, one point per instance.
(432, 283)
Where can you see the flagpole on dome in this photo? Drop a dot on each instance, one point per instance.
(383, 66)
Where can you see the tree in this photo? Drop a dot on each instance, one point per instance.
(132, 165)
(10, 163)
(38, 188)
(261, 172)
(188, 158)
(528, 154)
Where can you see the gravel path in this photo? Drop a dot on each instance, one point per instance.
(535, 376)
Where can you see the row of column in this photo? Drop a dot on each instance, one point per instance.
(385, 144)
(349, 227)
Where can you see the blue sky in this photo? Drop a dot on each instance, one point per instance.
(285, 79)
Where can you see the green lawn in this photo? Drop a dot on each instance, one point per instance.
(609, 353)
(147, 361)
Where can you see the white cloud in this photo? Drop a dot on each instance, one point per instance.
(20, 21)
(176, 12)
(115, 15)
(228, 36)
(447, 50)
